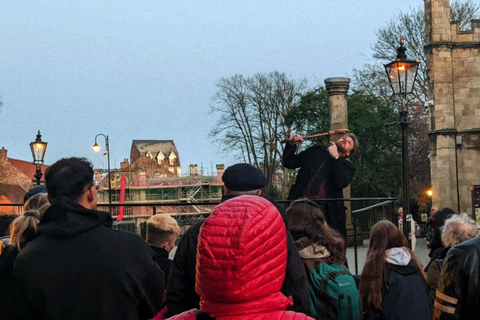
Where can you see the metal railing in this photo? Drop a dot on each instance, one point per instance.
(363, 217)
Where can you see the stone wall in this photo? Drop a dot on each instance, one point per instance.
(453, 66)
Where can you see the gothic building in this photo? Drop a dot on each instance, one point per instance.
(453, 67)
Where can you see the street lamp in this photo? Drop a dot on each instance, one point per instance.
(96, 147)
(38, 148)
(401, 75)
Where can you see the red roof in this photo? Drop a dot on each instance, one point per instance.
(28, 168)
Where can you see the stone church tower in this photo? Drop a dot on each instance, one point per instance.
(453, 67)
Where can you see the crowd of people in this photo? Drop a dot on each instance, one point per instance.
(250, 259)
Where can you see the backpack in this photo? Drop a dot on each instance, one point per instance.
(333, 293)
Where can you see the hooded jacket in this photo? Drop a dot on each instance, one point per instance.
(405, 294)
(80, 268)
(241, 262)
(181, 295)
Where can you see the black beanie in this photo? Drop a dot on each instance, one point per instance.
(243, 177)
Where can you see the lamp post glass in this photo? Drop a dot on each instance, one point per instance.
(38, 148)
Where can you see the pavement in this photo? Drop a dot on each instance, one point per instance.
(421, 252)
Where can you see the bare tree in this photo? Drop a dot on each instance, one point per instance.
(410, 26)
(252, 120)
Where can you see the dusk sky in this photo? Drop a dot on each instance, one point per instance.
(148, 69)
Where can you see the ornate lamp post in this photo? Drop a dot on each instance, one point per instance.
(96, 147)
(401, 75)
(38, 148)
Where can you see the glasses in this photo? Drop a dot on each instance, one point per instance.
(307, 201)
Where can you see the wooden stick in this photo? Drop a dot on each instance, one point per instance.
(317, 135)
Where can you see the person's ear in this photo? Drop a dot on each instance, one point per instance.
(89, 194)
(223, 191)
(259, 192)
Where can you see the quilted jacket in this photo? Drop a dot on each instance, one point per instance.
(241, 261)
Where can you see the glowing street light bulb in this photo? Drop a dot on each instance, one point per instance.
(96, 147)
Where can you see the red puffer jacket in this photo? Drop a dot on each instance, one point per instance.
(241, 261)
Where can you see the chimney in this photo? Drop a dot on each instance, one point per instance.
(3, 154)
(220, 170)
(124, 164)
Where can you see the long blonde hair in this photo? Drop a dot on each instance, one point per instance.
(24, 228)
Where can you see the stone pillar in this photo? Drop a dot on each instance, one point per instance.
(337, 89)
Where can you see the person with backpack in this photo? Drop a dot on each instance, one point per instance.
(333, 292)
(393, 284)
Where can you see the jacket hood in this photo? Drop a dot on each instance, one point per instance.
(398, 256)
(400, 260)
(65, 218)
(314, 251)
(242, 257)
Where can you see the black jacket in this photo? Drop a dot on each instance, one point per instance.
(337, 174)
(405, 295)
(80, 268)
(181, 295)
(162, 260)
(458, 293)
(11, 296)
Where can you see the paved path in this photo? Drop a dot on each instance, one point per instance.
(421, 252)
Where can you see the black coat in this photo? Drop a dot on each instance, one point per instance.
(181, 295)
(12, 297)
(80, 268)
(336, 173)
(405, 295)
(458, 293)
(162, 260)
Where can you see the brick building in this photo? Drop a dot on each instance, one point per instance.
(16, 178)
(153, 175)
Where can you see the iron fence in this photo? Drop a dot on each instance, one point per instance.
(365, 213)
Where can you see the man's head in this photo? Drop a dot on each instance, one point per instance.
(243, 179)
(347, 145)
(433, 210)
(72, 178)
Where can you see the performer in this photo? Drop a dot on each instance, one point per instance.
(324, 172)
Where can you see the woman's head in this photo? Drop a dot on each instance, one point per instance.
(437, 221)
(457, 229)
(305, 218)
(307, 224)
(385, 235)
(24, 228)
